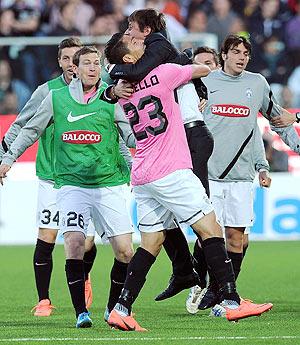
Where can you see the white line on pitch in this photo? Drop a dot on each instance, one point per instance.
(149, 338)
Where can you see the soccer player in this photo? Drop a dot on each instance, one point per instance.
(209, 57)
(47, 213)
(149, 24)
(231, 167)
(164, 185)
(90, 172)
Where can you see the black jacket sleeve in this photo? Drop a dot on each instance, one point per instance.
(158, 51)
(104, 96)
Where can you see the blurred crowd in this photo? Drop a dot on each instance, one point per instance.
(273, 26)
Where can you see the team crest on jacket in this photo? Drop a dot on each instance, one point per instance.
(248, 93)
(230, 110)
(81, 137)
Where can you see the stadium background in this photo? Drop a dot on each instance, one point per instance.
(31, 29)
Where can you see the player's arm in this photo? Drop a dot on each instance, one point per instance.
(28, 135)
(200, 70)
(23, 117)
(276, 114)
(289, 136)
(125, 152)
(124, 127)
(285, 119)
(174, 75)
(260, 161)
(158, 51)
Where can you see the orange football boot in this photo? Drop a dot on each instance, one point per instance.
(43, 308)
(124, 323)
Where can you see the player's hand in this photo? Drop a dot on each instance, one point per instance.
(264, 179)
(123, 89)
(202, 105)
(284, 120)
(4, 168)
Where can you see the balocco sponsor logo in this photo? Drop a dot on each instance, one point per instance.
(230, 110)
(81, 137)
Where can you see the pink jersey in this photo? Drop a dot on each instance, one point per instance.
(89, 95)
(154, 116)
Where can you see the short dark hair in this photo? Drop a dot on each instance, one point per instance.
(83, 51)
(233, 41)
(69, 43)
(115, 49)
(205, 49)
(148, 17)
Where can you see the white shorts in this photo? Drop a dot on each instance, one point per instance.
(106, 206)
(178, 195)
(233, 203)
(47, 211)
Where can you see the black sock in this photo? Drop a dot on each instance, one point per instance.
(75, 279)
(117, 279)
(220, 266)
(200, 264)
(88, 260)
(236, 259)
(137, 271)
(178, 251)
(42, 263)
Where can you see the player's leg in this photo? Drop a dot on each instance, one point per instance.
(234, 246)
(89, 255)
(183, 276)
(123, 250)
(191, 206)
(231, 307)
(47, 219)
(212, 236)
(110, 214)
(200, 143)
(238, 216)
(74, 205)
(138, 268)
(199, 263)
(218, 193)
(88, 260)
(151, 218)
(216, 256)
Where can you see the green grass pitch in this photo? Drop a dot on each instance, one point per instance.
(271, 272)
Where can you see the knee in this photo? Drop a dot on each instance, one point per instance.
(89, 242)
(234, 241)
(208, 227)
(74, 245)
(125, 254)
(47, 235)
(154, 246)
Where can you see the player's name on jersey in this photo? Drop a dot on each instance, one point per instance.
(146, 83)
